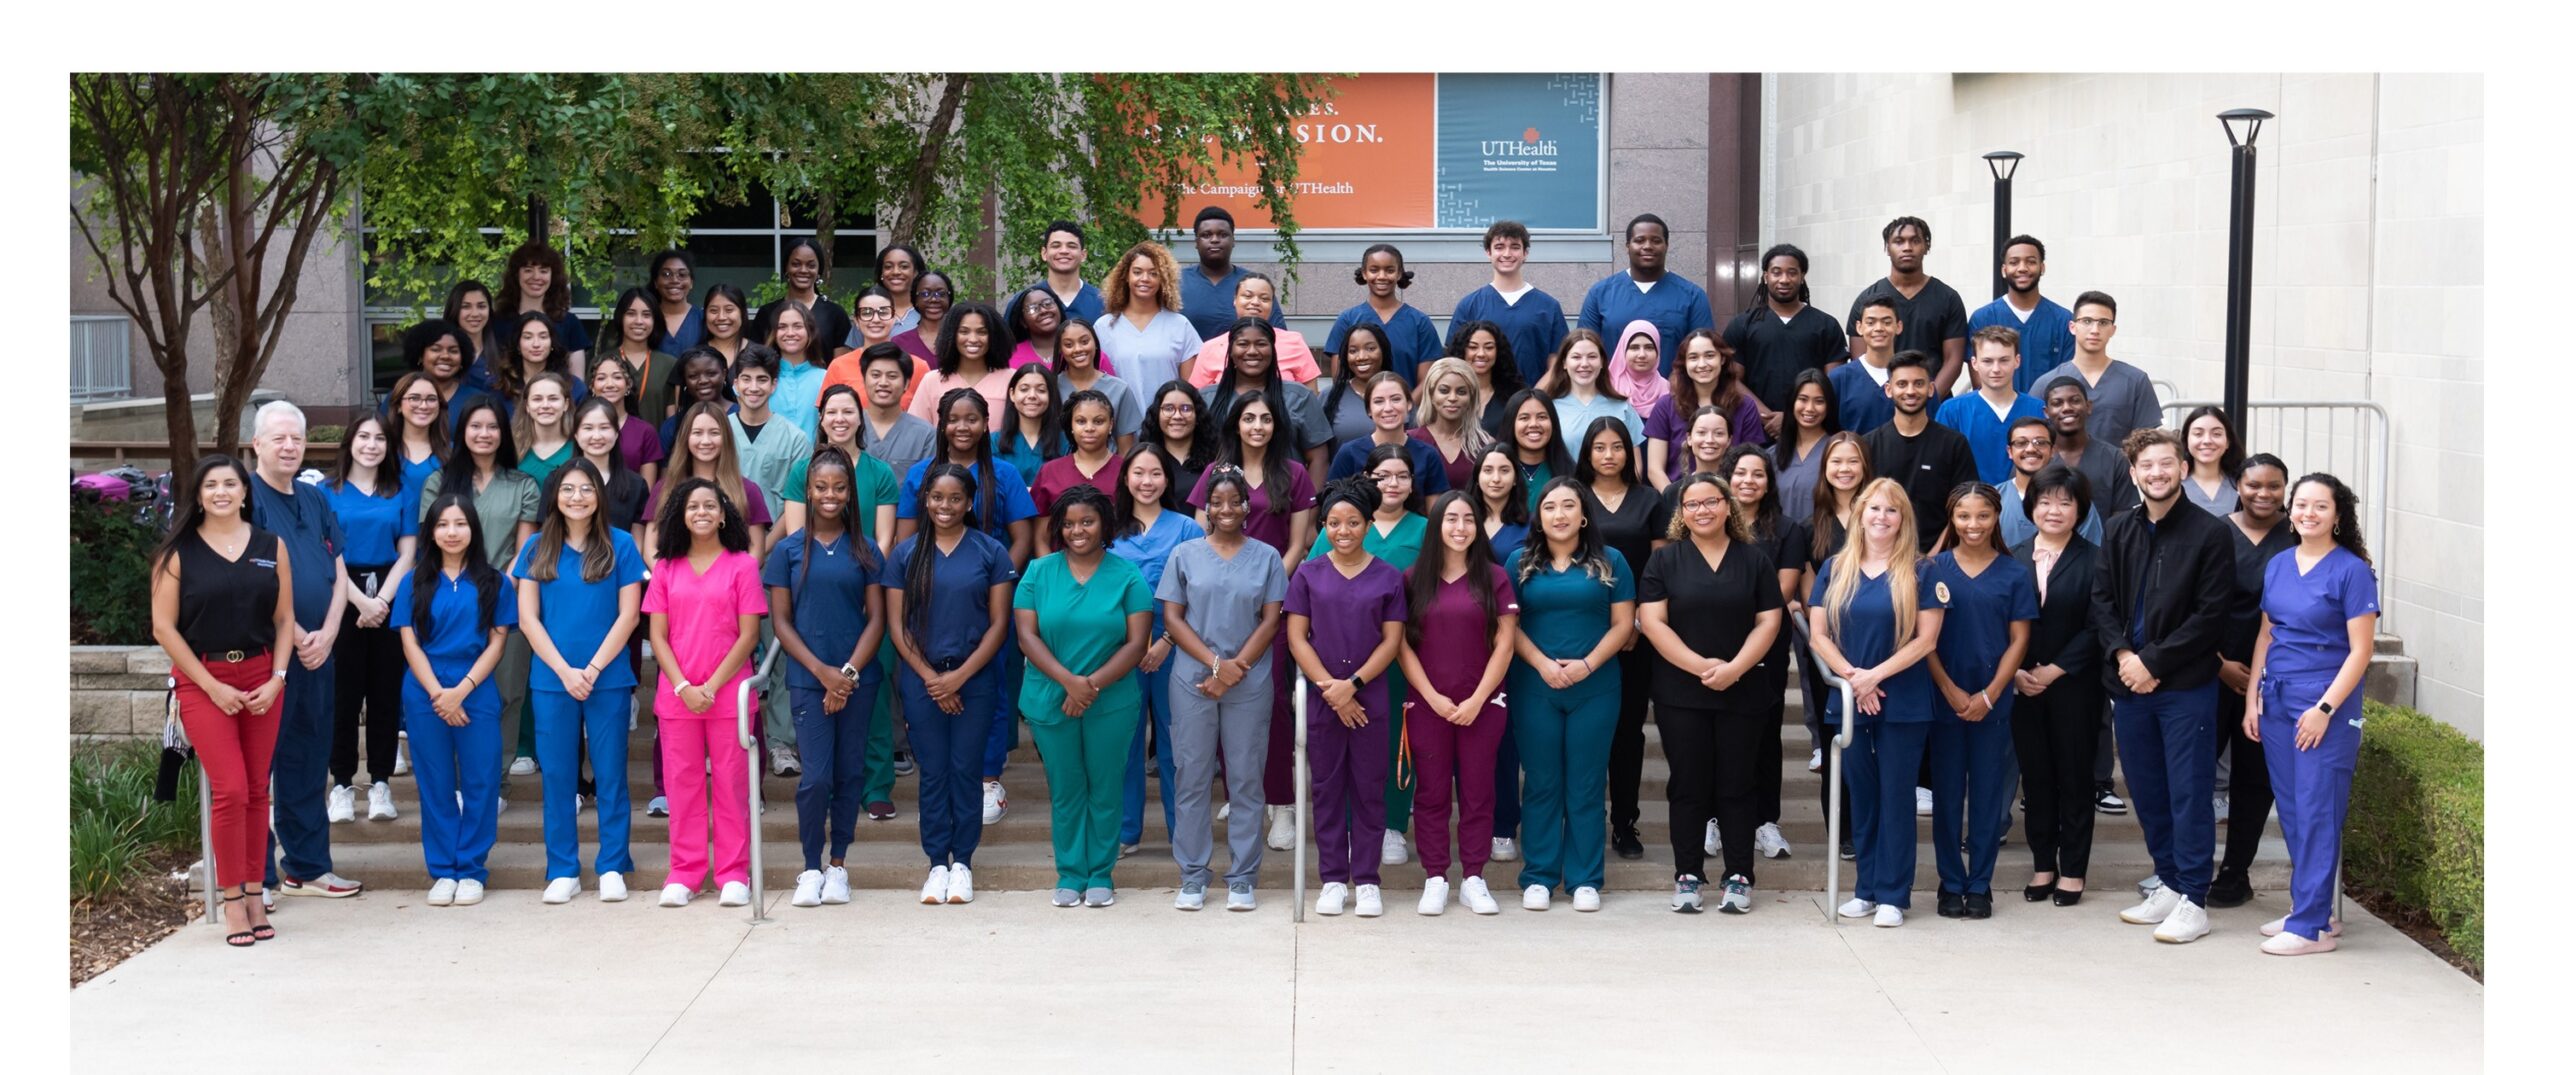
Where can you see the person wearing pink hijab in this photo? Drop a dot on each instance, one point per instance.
(1635, 369)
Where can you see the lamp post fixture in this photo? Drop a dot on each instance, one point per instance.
(2240, 125)
(2004, 164)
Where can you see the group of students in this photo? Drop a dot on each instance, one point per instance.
(1487, 558)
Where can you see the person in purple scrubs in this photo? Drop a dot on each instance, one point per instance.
(1464, 619)
(1346, 654)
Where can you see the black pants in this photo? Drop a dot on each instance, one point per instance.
(1773, 763)
(1626, 748)
(2056, 734)
(369, 669)
(1715, 764)
(2251, 795)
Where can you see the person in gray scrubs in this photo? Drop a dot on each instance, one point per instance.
(1221, 597)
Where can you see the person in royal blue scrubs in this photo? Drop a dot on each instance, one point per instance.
(2306, 697)
(824, 584)
(950, 596)
(454, 616)
(579, 605)
(1877, 606)
(1982, 637)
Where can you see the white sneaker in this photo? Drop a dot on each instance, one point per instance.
(991, 802)
(1478, 898)
(786, 761)
(400, 760)
(658, 806)
(1715, 838)
(1239, 896)
(963, 887)
(1737, 896)
(1391, 850)
(2291, 944)
(1684, 894)
(442, 894)
(1926, 800)
(1329, 901)
(1888, 916)
(1856, 908)
(1533, 898)
(1586, 898)
(609, 887)
(1284, 829)
(2154, 908)
(1813, 761)
(467, 892)
(561, 890)
(836, 886)
(523, 767)
(1367, 904)
(1222, 811)
(676, 894)
(342, 804)
(1771, 843)
(2186, 922)
(734, 894)
(2276, 926)
(937, 885)
(804, 889)
(1193, 896)
(1506, 849)
(378, 803)
(1435, 897)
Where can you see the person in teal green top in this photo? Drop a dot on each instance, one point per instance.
(1034, 429)
(543, 427)
(1577, 610)
(767, 448)
(1083, 618)
(1395, 536)
(875, 513)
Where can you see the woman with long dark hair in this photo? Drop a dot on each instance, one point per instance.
(455, 619)
(800, 372)
(1578, 390)
(1796, 445)
(1389, 405)
(724, 329)
(824, 587)
(381, 533)
(708, 449)
(1702, 377)
(418, 438)
(221, 600)
(2054, 725)
(704, 604)
(504, 502)
(1280, 513)
(1486, 350)
(1346, 651)
(635, 441)
(1982, 638)
(1529, 427)
(1462, 627)
(1149, 532)
(950, 593)
(579, 604)
(529, 349)
(805, 265)
(1577, 609)
(1788, 548)
(467, 311)
(1629, 517)
(1083, 617)
(1364, 356)
(1177, 421)
(536, 284)
(639, 337)
(1250, 369)
(2210, 442)
(969, 354)
(1033, 428)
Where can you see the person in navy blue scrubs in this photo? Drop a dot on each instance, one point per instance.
(1991, 598)
(1646, 290)
(301, 519)
(2259, 530)
(825, 585)
(578, 607)
(1409, 332)
(950, 593)
(454, 616)
(2306, 697)
(1876, 610)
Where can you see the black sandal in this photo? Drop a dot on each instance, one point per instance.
(265, 931)
(242, 939)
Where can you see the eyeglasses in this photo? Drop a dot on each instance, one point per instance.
(1176, 408)
(1696, 505)
(427, 398)
(2094, 322)
(934, 293)
(2031, 442)
(875, 315)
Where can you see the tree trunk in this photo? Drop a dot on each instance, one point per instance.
(925, 182)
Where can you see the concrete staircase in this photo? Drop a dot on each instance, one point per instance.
(1015, 853)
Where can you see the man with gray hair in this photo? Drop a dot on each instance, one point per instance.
(304, 522)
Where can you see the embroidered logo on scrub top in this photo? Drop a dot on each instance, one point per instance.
(1945, 595)
(268, 564)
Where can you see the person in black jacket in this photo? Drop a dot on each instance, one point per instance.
(2060, 699)
(2159, 603)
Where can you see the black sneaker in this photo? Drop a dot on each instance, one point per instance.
(2109, 803)
(2229, 891)
(1627, 845)
(1950, 904)
(1977, 905)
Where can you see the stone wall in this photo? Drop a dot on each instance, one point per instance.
(118, 692)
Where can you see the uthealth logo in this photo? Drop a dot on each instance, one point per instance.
(1527, 145)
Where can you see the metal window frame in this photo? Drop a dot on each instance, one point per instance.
(88, 360)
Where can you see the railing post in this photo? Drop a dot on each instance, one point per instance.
(748, 742)
(204, 830)
(1298, 816)
(1840, 742)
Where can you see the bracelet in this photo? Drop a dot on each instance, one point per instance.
(466, 680)
(1986, 698)
(1216, 663)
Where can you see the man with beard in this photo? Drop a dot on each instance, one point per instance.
(1929, 459)
(2030, 448)
(1781, 335)
(2111, 491)
(1209, 286)
(1932, 314)
(2043, 325)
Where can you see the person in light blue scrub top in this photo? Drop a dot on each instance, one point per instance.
(1148, 534)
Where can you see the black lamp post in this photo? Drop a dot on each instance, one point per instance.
(2004, 164)
(2240, 125)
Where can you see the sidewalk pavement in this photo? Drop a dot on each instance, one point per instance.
(384, 983)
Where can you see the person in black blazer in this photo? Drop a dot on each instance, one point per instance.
(2055, 725)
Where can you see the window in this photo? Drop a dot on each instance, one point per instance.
(101, 358)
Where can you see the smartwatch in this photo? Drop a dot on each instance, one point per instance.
(2326, 709)
(1357, 683)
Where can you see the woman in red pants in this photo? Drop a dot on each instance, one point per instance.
(221, 598)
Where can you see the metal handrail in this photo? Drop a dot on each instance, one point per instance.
(1298, 816)
(1839, 760)
(755, 785)
(2374, 486)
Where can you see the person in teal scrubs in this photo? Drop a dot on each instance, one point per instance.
(1577, 610)
(1084, 619)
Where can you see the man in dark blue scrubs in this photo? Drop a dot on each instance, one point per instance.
(1209, 283)
(301, 518)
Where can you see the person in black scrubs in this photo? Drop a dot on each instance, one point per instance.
(1630, 518)
(1178, 422)
(804, 275)
(1782, 336)
(2259, 530)
(2054, 723)
(1928, 458)
(1710, 603)
(1788, 545)
(1933, 317)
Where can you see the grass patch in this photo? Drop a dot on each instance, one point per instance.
(117, 832)
(2418, 824)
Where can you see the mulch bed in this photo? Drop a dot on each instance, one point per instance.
(109, 929)
(2414, 923)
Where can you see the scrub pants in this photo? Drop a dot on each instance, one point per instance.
(1347, 777)
(2166, 741)
(1883, 766)
(1279, 762)
(1975, 780)
(1506, 783)
(2251, 792)
(879, 753)
(2055, 734)
(560, 725)
(515, 733)
(1157, 708)
(444, 759)
(948, 748)
(301, 770)
(1399, 756)
(370, 668)
(1626, 747)
(1237, 728)
(2311, 789)
(1564, 739)
(1084, 757)
(1772, 766)
(831, 767)
(697, 815)
(1715, 761)
(1444, 753)
(1000, 730)
(237, 751)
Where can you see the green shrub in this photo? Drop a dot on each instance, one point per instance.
(326, 435)
(2417, 825)
(115, 827)
(110, 575)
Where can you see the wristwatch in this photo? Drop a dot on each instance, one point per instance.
(2326, 709)
(1357, 683)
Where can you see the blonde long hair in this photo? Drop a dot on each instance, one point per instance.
(1471, 435)
(1902, 566)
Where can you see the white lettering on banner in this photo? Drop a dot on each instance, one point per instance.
(1519, 149)
(1320, 133)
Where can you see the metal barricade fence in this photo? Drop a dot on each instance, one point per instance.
(2347, 438)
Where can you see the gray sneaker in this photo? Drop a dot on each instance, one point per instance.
(1099, 896)
(1737, 896)
(1194, 896)
(1684, 894)
(1066, 897)
(1239, 896)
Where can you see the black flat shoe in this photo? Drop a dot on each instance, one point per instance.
(1627, 845)
(2229, 891)
(1951, 905)
(1977, 905)
(2063, 897)
(2041, 893)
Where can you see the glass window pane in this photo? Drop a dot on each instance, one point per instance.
(387, 366)
(744, 262)
(855, 259)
